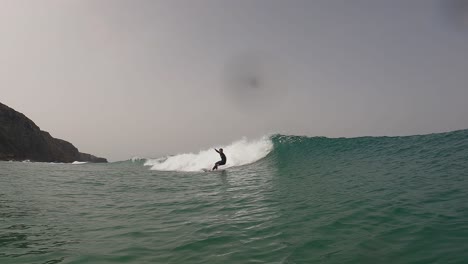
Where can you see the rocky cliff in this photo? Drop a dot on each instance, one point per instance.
(21, 139)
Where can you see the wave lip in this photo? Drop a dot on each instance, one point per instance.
(238, 153)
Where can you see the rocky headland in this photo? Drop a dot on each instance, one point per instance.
(21, 139)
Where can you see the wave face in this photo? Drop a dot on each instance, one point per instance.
(299, 150)
(239, 153)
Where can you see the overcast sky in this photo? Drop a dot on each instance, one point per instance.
(148, 78)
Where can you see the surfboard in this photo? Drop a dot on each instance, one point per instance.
(209, 170)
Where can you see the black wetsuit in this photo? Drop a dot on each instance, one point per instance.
(221, 162)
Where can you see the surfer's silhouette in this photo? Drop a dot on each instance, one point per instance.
(222, 161)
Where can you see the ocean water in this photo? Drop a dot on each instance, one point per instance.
(282, 199)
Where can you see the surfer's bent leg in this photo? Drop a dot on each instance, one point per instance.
(217, 164)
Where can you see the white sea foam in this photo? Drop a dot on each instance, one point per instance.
(136, 159)
(238, 153)
(79, 162)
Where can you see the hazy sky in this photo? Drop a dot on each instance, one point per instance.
(147, 78)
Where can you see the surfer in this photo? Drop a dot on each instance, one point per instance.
(222, 161)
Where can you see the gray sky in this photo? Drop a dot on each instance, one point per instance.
(124, 78)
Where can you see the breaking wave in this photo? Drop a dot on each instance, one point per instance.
(238, 153)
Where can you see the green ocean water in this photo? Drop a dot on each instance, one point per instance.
(310, 200)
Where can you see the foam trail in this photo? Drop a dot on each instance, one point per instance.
(238, 153)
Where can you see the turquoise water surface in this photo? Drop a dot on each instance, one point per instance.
(310, 200)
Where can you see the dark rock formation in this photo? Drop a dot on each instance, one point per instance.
(21, 139)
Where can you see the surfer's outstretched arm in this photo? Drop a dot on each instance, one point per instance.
(216, 150)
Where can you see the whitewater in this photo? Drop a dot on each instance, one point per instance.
(238, 153)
